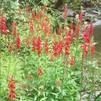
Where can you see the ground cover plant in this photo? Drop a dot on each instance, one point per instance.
(44, 57)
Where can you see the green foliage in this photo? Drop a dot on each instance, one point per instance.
(59, 81)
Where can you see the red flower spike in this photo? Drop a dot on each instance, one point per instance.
(37, 45)
(46, 27)
(85, 50)
(68, 39)
(57, 48)
(3, 26)
(67, 50)
(18, 42)
(12, 89)
(86, 38)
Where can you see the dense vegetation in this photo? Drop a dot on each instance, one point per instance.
(46, 55)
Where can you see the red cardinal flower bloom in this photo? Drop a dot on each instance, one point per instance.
(57, 48)
(46, 26)
(18, 42)
(67, 50)
(37, 45)
(85, 49)
(69, 39)
(86, 38)
(3, 26)
(68, 42)
(12, 89)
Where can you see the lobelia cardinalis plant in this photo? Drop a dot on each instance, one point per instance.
(49, 62)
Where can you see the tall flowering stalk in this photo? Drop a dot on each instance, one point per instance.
(37, 45)
(18, 42)
(87, 36)
(3, 25)
(46, 26)
(85, 50)
(57, 48)
(68, 42)
(12, 89)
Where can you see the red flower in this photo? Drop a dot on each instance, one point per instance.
(46, 27)
(18, 42)
(68, 39)
(68, 43)
(37, 45)
(86, 38)
(57, 48)
(85, 49)
(12, 89)
(3, 26)
(40, 71)
(67, 50)
(12, 95)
